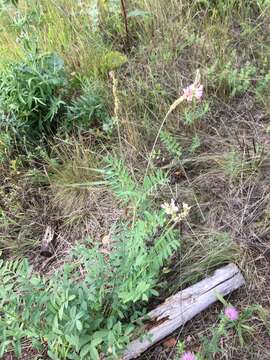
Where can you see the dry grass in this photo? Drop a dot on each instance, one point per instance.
(23, 214)
(64, 27)
(80, 198)
(226, 180)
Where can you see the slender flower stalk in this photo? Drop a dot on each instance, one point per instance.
(194, 90)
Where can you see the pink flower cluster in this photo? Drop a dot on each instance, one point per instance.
(188, 356)
(193, 91)
(231, 313)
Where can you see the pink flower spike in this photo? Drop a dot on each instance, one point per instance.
(188, 92)
(193, 91)
(188, 356)
(231, 313)
(199, 92)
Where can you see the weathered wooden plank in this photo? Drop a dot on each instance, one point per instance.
(180, 308)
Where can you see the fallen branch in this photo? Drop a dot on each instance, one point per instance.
(182, 307)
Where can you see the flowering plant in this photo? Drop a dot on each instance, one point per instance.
(174, 211)
(193, 91)
(230, 319)
(231, 313)
(211, 346)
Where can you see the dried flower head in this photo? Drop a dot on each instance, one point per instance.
(184, 213)
(188, 356)
(170, 209)
(231, 313)
(186, 209)
(174, 211)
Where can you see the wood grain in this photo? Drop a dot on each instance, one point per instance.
(183, 306)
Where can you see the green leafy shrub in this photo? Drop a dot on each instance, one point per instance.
(111, 60)
(264, 82)
(195, 144)
(30, 95)
(87, 109)
(91, 306)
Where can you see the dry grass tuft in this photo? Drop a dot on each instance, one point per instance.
(80, 197)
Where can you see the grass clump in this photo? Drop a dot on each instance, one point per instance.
(75, 182)
(19, 230)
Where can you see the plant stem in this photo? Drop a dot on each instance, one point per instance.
(124, 12)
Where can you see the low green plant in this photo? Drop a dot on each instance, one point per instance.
(229, 320)
(30, 97)
(193, 115)
(233, 164)
(230, 80)
(262, 90)
(195, 144)
(88, 109)
(263, 83)
(5, 146)
(174, 149)
(236, 163)
(92, 305)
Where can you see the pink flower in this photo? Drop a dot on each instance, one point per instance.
(231, 313)
(193, 91)
(188, 356)
(188, 93)
(199, 92)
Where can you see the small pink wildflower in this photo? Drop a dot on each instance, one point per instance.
(188, 356)
(193, 91)
(231, 313)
